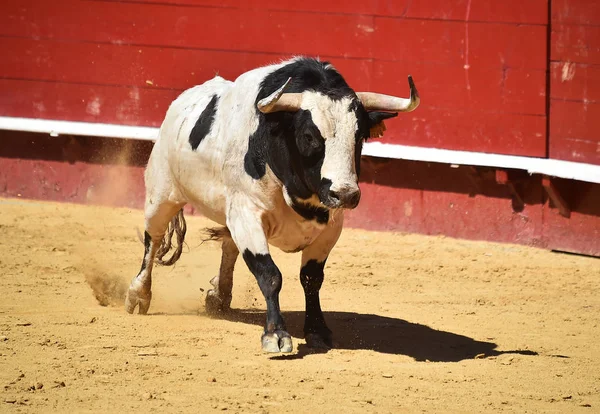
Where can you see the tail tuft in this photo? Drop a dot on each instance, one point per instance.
(215, 234)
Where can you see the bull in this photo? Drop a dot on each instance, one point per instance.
(273, 158)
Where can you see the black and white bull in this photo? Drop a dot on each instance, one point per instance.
(275, 158)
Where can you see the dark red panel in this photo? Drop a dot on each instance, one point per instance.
(436, 199)
(470, 131)
(575, 43)
(510, 11)
(445, 213)
(453, 87)
(575, 81)
(576, 12)
(419, 197)
(489, 45)
(574, 131)
(79, 183)
(89, 103)
(581, 231)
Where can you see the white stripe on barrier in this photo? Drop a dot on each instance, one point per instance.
(557, 168)
(55, 128)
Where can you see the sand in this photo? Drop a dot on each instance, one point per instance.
(420, 324)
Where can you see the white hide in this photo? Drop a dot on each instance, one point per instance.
(212, 178)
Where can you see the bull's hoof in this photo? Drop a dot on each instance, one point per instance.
(278, 341)
(134, 300)
(318, 341)
(215, 304)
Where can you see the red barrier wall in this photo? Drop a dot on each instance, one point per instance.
(575, 81)
(397, 195)
(480, 66)
(510, 77)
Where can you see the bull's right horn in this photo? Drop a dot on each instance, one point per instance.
(280, 101)
(380, 102)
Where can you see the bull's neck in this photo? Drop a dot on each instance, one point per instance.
(287, 169)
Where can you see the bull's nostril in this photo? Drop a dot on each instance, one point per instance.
(346, 197)
(354, 198)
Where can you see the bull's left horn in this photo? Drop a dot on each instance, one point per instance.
(280, 101)
(379, 102)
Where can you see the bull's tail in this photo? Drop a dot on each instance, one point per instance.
(178, 227)
(215, 234)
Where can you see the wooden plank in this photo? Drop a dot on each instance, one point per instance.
(575, 93)
(577, 12)
(396, 7)
(558, 201)
(478, 89)
(510, 90)
(348, 36)
(509, 11)
(513, 46)
(575, 131)
(208, 28)
(510, 134)
(575, 149)
(579, 44)
(108, 64)
(472, 131)
(575, 119)
(575, 82)
(88, 103)
(140, 65)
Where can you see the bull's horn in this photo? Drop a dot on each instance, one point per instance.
(280, 101)
(379, 102)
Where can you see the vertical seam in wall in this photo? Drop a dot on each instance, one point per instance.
(548, 75)
(544, 212)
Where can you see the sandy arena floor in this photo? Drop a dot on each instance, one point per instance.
(421, 324)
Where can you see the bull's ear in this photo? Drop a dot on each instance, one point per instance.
(376, 125)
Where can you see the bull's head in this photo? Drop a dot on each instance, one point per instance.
(329, 134)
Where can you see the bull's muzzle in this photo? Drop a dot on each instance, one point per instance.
(346, 196)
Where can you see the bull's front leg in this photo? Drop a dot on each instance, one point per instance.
(316, 332)
(244, 223)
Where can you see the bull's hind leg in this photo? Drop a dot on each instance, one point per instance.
(157, 221)
(219, 299)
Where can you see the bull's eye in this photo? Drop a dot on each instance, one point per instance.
(311, 142)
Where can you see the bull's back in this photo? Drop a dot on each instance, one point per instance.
(176, 167)
(187, 108)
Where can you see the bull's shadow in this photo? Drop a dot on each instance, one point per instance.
(382, 334)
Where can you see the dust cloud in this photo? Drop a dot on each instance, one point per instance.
(109, 290)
